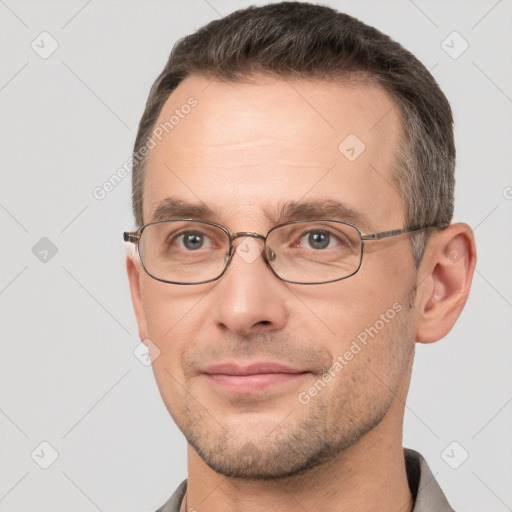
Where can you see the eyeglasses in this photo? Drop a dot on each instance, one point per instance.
(188, 251)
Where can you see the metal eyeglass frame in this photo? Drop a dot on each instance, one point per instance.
(135, 236)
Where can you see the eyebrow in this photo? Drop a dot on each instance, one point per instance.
(173, 208)
(318, 209)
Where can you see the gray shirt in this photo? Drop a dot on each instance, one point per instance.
(428, 496)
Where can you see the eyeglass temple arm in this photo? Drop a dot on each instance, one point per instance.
(131, 236)
(393, 232)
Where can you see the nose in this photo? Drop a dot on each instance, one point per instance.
(249, 298)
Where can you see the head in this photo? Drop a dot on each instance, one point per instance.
(264, 101)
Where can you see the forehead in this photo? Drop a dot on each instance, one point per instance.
(242, 147)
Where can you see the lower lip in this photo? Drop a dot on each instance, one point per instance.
(253, 383)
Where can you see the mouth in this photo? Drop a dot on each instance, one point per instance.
(253, 378)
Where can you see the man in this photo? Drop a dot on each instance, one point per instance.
(293, 188)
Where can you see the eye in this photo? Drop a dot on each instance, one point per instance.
(191, 240)
(318, 239)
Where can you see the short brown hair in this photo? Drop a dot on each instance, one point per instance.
(302, 40)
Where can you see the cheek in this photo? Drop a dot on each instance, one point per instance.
(168, 308)
(172, 320)
(342, 310)
(362, 322)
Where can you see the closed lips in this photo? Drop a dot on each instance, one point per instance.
(253, 369)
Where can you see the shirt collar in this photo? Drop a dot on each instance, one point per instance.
(428, 496)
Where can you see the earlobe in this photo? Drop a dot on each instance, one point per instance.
(133, 270)
(451, 261)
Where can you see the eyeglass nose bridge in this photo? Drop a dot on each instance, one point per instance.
(268, 254)
(240, 234)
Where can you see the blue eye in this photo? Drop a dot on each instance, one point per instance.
(192, 240)
(319, 239)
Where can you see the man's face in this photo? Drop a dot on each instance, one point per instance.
(244, 151)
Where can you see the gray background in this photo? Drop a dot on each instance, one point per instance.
(68, 373)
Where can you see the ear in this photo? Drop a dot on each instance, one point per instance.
(134, 269)
(446, 273)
